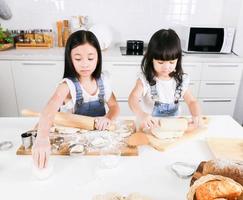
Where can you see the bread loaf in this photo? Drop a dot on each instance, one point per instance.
(212, 187)
(226, 168)
(218, 189)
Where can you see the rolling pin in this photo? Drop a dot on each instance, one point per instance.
(69, 120)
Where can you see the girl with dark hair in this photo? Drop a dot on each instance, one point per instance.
(84, 90)
(162, 82)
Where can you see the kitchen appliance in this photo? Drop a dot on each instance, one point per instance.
(206, 39)
(134, 47)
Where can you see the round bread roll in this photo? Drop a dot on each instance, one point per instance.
(173, 124)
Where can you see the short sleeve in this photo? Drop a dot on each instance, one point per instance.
(69, 106)
(144, 82)
(71, 87)
(105, 76)
(185, 83)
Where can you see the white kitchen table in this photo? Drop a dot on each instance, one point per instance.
(80, 178)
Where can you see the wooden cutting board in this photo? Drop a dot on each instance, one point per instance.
(141, 138)
(226, 148)
(125, 151)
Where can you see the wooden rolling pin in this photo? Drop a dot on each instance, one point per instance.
(69, 120)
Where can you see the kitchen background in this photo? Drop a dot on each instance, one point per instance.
(136, 19)
(132, 19)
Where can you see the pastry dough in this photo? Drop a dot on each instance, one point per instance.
(65, 130)
(115, 196)
(161, 134)
(136, 196)
(123, 132)
(170, 128)
(99, 142)
(173, 124)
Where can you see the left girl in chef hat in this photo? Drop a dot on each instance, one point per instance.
(84, 90)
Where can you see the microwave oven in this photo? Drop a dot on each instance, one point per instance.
(206, 39)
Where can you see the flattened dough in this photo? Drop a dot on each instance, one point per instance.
(173, 124)
(161, 134)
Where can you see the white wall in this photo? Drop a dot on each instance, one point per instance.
(238, 49)
(129, 19)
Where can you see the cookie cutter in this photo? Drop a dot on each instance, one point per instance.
(6, 145)
(183, 170)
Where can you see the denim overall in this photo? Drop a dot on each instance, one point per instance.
(91, 108)
(164, 109)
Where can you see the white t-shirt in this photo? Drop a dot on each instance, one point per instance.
(69, 106)
(165, 88)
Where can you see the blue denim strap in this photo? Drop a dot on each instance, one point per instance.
(154, 92)
(101, 87)
(79, 92)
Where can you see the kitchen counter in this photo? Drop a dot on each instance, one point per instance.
(80, 178)
(111, 54)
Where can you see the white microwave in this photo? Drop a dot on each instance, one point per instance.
(206, 39)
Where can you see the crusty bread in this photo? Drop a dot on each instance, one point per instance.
(218, 189)
(226, 168)
(211, 187)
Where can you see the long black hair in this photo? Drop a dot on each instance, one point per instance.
(79, 38)
(164, 45)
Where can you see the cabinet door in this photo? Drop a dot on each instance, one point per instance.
(35, 82)
(124, 108)
(219, 89)
(221, 71)
(193, 70)
(217, 106)
(8, 105)
(194, 88)
(123, 77)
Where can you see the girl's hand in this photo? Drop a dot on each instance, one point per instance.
(149, 122)
(102, 123)
(197, 121)
(41, 151)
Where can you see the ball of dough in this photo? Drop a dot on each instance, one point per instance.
(42, 174)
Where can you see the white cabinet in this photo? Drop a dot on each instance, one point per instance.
(8, 104)
(219, 88)
(221, 71)
(123, 78)
(193, 69)
(35, 82)
(194, 72)
(220, 106)
(215, 85)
